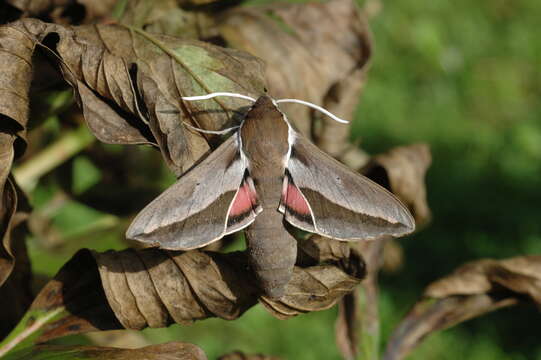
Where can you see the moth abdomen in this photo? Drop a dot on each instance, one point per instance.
(273, 252)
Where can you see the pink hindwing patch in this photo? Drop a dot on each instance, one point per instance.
(245, 200)
(293, 199)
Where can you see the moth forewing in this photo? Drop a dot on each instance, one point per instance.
(194, 211)
(344, 205)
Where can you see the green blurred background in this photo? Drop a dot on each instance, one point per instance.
(462, 76)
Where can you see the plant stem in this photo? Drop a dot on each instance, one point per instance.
(370, 327)
(69, 144)
(23, 333)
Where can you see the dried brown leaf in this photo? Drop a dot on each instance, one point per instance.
(168, 17)
(314, 51)
(471, 290)
(16, 51)
(119, 338)
(312, 289)
(167, 351)
(77, 289)
(206, 2)
(354, 157)
(341, 100)
(238, 355)
(129, 83)
(36, 7)
(152, 287)
(402, 170)
(519, 275)
(15, 272)
(96, 11)
(65, 11)
(7, 206)
(429, 316)
(393, 257)
(15, 294)
(318, 287)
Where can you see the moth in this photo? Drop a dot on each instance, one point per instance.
(266, 174)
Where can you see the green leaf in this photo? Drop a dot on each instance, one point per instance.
(30, 328)
(85, 175)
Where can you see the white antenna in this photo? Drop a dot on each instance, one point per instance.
(314, 106)
(212, 95)
(217, 132)
(309, 104)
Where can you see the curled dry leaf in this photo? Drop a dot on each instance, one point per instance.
(402, 170)
(153, 287)
(15, 271)
(393, 257)
(167, 351)
(72, 302)
(129, 83)
(518, 275)
(124, 339)
(189, 3)
(7, 207)
(315, 250)
(15, 294)
(471, 290)
(311, 289)
(65, 11)
(429, 316)
(238, 355)
(316, 52)
(168, 17)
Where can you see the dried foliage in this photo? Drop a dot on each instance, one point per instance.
(472, 290)
(154, 288)
(128, 83)
(237, 355)
(65, 11)
(167, 351)
(316, 51)
(15, 271)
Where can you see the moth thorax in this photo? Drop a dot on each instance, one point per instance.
(264, 135)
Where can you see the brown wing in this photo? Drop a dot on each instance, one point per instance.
(195, 211)
(341, 203)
